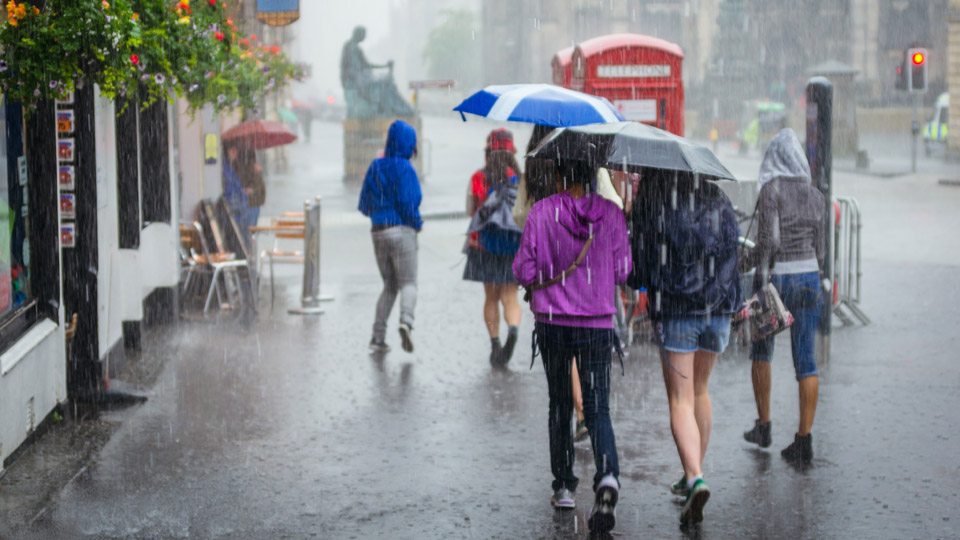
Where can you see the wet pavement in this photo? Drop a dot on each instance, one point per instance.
(290, 429)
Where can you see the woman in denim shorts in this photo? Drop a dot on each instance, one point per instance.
(685, 254)
(790, 254)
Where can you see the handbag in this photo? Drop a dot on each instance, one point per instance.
(764, 312)
(528, 289)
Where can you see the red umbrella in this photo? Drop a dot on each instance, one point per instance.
(302, 105)
(259, 134)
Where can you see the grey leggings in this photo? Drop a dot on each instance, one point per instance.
(396, 251)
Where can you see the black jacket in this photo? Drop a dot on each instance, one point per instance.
(684, 247)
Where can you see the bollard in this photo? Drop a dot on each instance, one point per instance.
(310, 298)
(820, 157)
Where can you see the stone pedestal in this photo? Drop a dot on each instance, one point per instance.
(364, 140)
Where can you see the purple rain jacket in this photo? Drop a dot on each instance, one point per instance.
(553, 236)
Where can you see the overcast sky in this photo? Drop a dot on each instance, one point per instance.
(323, 28)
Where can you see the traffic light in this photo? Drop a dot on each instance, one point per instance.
(902, 75)
(916, 70)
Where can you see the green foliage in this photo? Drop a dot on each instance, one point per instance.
(166, 49)
(454, 48)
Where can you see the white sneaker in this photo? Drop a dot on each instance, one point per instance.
(405, 337)
(378, 346)
(603, 515)
(563, 499)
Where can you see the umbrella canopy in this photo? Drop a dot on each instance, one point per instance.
(543, 104)
(631, 145)
(259, 134)
(302, 105)
(287, 116)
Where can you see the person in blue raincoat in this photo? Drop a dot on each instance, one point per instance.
(391, 197)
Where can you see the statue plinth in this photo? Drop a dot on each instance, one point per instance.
(373, 103)
(365, 138)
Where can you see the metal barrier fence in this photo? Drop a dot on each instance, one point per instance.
(847, 270)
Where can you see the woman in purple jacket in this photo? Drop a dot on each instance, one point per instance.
(574, 251)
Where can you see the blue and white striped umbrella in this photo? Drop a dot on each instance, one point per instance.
(543, 104)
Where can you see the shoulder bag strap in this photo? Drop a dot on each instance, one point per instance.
(544, 284)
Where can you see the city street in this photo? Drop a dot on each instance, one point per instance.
(289, 428)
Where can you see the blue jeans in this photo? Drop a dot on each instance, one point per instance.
(559, 345)
(801, 295)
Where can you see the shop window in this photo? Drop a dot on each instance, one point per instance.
(17, 308)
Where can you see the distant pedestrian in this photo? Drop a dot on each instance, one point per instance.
(493, 241)
(391, 197)
(573, 252)
(685, 254)
(243, 187)
(789, 253)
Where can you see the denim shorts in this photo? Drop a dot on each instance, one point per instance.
(696, 332)
(802, 296)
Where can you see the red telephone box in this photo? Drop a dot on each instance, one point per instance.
(562, 67)
(641, 75)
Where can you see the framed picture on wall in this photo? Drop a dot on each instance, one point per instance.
(67, 99)
(68, 206)
(64, 122)
(68, 235)
(65, 176)
(65, 150)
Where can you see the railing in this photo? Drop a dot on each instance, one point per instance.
(847, 269)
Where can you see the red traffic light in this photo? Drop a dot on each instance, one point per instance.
(918, 58)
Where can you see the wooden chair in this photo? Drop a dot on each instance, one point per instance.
(286, 228)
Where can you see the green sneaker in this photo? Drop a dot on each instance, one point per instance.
(680, 488)
(693, 509)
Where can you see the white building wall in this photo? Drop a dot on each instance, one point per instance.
(33, 380)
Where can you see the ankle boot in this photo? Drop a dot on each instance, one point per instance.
(760, 434)
(801, 450)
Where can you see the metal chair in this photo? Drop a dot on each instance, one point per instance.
(219, 262)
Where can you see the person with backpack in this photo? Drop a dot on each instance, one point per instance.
(790, 254)
(573, 253)
(685, 254)
(493, 238)
(391, 197)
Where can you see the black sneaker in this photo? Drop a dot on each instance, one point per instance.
(801, 451)
(496, 353)
(603, 515)
(508, 346)
(760, 434)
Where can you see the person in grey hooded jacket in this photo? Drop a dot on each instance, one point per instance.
(790, 254)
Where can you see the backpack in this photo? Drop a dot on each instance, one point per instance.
(700, 245)
(499, 233)
(499, 241)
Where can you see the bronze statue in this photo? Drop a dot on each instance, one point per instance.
(368, 95)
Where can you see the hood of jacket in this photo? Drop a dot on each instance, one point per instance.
(784, 158)
(578, 216)
(401, 140)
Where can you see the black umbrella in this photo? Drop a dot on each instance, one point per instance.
(630, 146)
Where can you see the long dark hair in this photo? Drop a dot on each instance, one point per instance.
(499, 164)
(540, 172)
